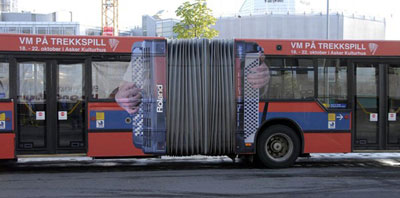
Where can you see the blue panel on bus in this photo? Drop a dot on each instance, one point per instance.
(118, 120)
(5, 121)
(315, 121)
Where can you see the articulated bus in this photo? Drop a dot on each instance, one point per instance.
(275, 100)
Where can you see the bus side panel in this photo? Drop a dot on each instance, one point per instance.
(7, 136)
(113, 144)
(327, 142)
(324, 132)
(7, 146)
(110, 131)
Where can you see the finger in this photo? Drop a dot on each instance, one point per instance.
(136, 99)
(257, 86)
(128, 93)
(134, 92)
(137, 96)
(258, 75)
(128, 100)
(127, 85)
(259, 69)
(257, 81)
(132, 111)
(129, 106)
(135, 103)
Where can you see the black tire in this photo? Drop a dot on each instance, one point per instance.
(278, 147)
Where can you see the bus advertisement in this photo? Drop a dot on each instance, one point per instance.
(275, 100)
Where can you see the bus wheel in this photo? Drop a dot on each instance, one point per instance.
(278, 147)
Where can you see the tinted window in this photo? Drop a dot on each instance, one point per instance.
(106, 77)
(4, 80)
(332, 83)
(289, 79)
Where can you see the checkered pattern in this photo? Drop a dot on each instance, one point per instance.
(137, 78)
(251, 99)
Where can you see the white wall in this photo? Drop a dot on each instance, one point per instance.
(299, 27)
(363, 29)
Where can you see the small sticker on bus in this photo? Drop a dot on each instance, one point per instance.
(100, 124)
(99, 115)
(331, 125)
(338, 106)
(331, 116)
(40, 115)
(2, 125)
(392, 117)
(373, 117)
(62, 115)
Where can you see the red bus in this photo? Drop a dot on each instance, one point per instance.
(272, 99)
(50, 88)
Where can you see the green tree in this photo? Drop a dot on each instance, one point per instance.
(196, 20)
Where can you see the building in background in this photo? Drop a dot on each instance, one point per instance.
(250, 7)
(32, 23)
(157, 26)
(135, 31)
(296, 19)
(8, 5)
(305, 26)
(149, 25)
(14, 22)
(164, 28)
(96, 31)
(93, 31)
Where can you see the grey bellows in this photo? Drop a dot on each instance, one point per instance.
(201, 116)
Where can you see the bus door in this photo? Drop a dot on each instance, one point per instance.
(50, 107)
(377, 106)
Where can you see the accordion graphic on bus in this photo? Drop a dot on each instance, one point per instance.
(208, 96)
(148, 64)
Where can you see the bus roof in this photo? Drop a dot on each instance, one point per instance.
(328, 47)
(63, 43)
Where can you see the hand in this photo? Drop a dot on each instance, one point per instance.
(129, 97)
(259, 76)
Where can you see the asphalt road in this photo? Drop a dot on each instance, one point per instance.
(321, 176)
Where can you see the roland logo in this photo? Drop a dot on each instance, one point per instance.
(160, 98)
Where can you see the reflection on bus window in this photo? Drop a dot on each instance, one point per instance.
(106, 77)
(70, 83)
(4, 82)
(332, 83)
(31, 84)
(366, 82)
(290, 79)
(394, 87)
(394, 102)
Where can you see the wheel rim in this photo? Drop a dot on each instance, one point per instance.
(279, 147)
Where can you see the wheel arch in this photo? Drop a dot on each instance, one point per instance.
(281, 121)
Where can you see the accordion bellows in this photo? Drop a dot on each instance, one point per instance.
(200, 117)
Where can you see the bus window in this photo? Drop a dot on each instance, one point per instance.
(4, 82)
(106, 77)
(290, 79)
(332, 83)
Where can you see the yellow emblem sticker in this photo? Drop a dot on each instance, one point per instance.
(99, 115)
(2, 116)
(331, 116)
